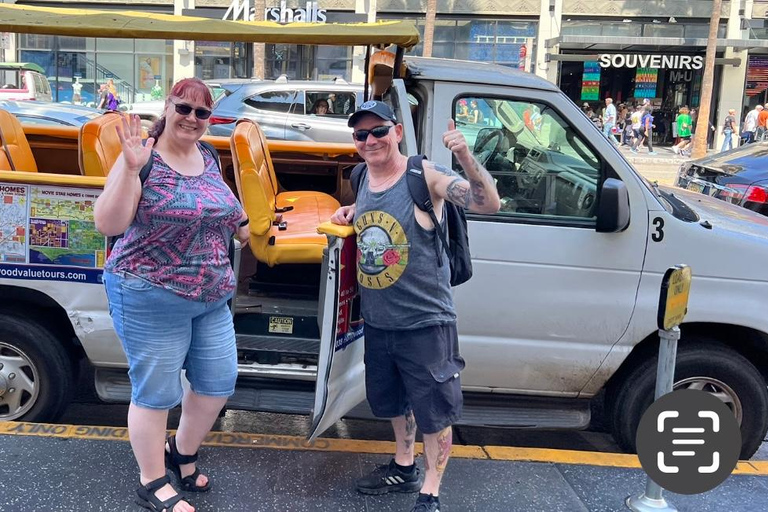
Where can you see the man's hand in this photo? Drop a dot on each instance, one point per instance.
(344, 215)
(454, 140)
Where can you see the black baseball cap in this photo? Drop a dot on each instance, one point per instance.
(377, 108)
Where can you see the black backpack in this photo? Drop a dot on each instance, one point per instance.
(456, 243)
(144, 174)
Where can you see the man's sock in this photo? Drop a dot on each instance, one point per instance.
(406, 469)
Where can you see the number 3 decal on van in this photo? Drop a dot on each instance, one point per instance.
(658, 234)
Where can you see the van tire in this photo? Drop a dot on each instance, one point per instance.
(700, 357)
(28, 347)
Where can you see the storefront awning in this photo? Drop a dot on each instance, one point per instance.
(145, 25)
(657, 44)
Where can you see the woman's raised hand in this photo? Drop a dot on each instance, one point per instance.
(135, 153)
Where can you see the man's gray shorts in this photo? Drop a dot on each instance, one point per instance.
(415, 370)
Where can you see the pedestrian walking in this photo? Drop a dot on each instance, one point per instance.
(729, 128)
(609, 120)
(168, 280)
(684, 128)
(762, 123)
(646, 131)
(637, 123)
(412, 361)
(750, 124)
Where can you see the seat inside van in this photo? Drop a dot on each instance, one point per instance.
(283, 225)
(98, 144)
(15, 153)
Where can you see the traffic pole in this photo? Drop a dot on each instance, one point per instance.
(673, 305)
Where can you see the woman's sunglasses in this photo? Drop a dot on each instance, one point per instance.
(184, 110)
(378, 132)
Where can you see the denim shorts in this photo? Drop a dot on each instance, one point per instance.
(163, 333)
(415, 370)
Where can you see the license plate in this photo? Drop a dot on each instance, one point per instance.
(695, 187)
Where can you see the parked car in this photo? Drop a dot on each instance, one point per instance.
(23, 81)
(50, 114)
(738, 176)
(285, 109)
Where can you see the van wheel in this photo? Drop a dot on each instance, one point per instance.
(36, 377)
(703, 364)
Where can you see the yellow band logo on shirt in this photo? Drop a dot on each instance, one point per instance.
(382, 250)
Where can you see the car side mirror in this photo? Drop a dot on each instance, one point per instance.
(613, 207)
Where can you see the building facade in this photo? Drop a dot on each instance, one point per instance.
(592, 49)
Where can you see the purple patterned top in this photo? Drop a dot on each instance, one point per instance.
(180, 237)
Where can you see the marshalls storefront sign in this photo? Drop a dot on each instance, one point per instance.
(633, 60)
(310, 13)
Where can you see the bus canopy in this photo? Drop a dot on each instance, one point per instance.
(148, 25)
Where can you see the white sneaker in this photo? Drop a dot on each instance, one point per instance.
(676, 150)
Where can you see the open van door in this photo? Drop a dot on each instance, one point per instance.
(340, 369)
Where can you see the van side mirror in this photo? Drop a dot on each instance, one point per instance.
(613, 207)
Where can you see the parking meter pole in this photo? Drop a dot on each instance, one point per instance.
(673, 305)
(652, 499)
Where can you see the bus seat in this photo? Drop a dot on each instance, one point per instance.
(283, 225)
(98, 144)
(14, 142)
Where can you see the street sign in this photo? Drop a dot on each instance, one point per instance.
(673, 302)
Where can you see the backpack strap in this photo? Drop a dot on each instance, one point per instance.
(356, 176)
(417, 186)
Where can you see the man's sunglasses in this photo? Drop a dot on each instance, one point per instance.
(184, 110)
(378, 132)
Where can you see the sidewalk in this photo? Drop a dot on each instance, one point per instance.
(84, 469)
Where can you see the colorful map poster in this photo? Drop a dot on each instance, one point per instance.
(13, 223)
(61, 228)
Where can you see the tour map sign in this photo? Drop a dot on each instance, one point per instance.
(48, 233)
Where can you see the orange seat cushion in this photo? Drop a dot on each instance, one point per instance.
(99, 146)
(16, 144)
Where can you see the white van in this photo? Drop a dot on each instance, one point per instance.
(21, 81)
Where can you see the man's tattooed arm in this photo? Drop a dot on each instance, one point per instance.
(477, 194)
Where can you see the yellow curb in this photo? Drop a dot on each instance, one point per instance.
(614, 460)
(278, 442)
(227, 439)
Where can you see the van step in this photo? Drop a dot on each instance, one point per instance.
(268, 395)
(510, 411)
(285, 344)
(296, 397)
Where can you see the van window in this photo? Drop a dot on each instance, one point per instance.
(273, 101)
(541, 166)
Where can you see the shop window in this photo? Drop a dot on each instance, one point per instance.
(541, 166)
(119, 67)
(152, 73)
(76, 43)
(75, 81)
(35, 42)
(154, 46)
(663, 30)
(582, 28)
(114, 45)
(273, 101)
